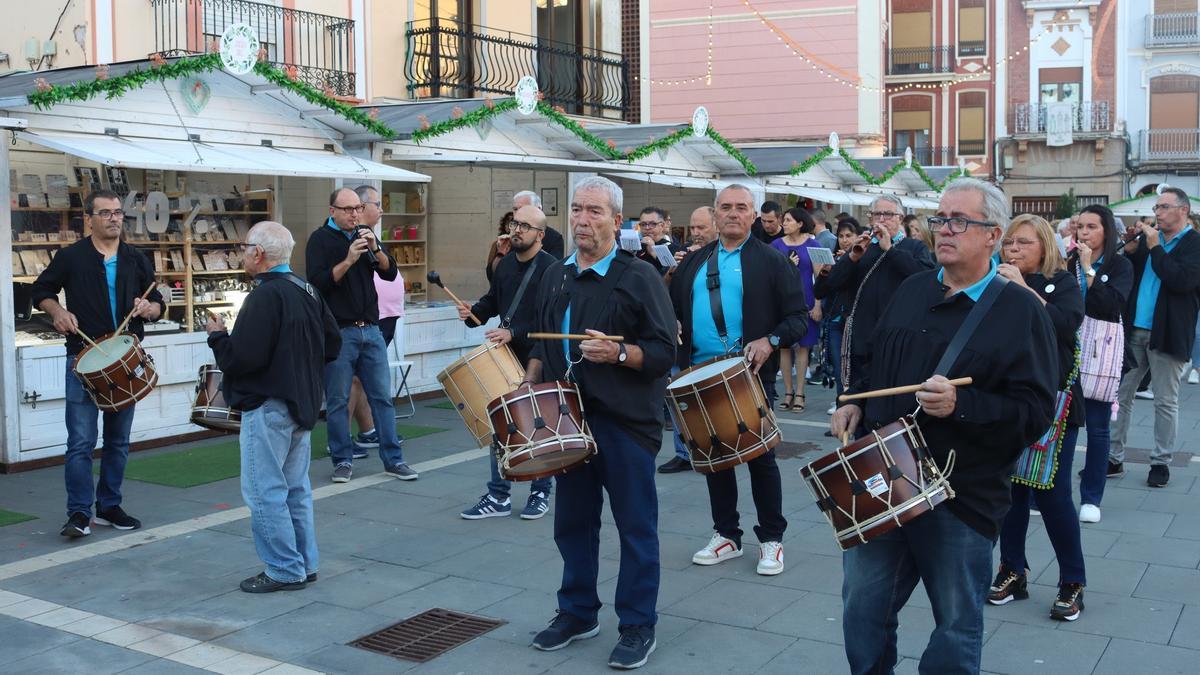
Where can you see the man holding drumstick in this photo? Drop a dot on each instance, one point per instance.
(1011, 359)
(96, 310)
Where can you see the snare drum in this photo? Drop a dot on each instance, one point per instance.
(474, 380)
(722, 414)
(540, 431)
(878, 483)
(116, 372)
(210, 409)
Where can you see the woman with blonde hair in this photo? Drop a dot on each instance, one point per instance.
(1032, 261)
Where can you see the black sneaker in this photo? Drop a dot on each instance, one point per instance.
(1159, 475)
(634, 648)
(311, 578)
(1007, 587)
(675, 465)
(367, 439)
(1069, 603)
(261, 583)
(563, 630)
(116, 518)
(78, 525)
(359, 452)
(401, 471)
(1115, 470)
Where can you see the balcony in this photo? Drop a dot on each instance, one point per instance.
(938, 156)
(320, 47)
(972, 48)
(1088, 117)
(1169, 145)
(920, 61)
(453, 60)
(1173, 30)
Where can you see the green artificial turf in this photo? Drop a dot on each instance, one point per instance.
(444, 405)
(12, 517)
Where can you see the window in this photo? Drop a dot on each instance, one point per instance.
(912, 118)
(972, 123)
(1060, 85)
(972, 27)
(1038, 206)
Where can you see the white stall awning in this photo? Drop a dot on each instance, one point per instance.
(825, 195)
(695, 183)
(145, 153)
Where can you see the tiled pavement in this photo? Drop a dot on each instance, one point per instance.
(165, 599)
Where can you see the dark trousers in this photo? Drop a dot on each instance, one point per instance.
(1095, 466)
(626, 471)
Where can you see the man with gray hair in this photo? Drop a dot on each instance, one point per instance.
(924, 336)
(272, 365)
(552, 241)
(872, 269)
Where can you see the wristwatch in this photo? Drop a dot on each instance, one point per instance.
(622, 355)
(774, 340)
(1091, 273)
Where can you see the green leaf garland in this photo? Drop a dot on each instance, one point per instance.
(317, 97)
(866, 175)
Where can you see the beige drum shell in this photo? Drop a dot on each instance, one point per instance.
(482, 375)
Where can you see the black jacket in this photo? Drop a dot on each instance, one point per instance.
(1174, 329)
(1109, 294)
(772, 300)
(653, 259)
(503, 290)
(79, 268)
(283, 338)
(1011, 358)
(907, 257)
(630, 301)
(552, 243)
(1064, 305)
(354, 297)
(839, 300)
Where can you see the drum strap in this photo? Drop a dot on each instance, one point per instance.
(713, 283)
(516, 301)
(974, 318)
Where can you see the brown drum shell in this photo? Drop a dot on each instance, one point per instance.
(866, 462)
(690, 404)
(210, 409)
(560, 443)
(122, 383)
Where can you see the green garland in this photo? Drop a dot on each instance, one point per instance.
(316, 97)
(870, 179)
(811, 161)
(473, 118)
(747, 165)
(591, 140)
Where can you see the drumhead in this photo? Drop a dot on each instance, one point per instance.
(705, 372)
(94, 360)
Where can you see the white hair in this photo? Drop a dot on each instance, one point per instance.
(995, 205)
(274, 239)
(616, 198)
(733, 186)
(1063, 225)
(533, 198)
(889, 198)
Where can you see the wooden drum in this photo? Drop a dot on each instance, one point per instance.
(116, 372)
(540, 431)
(483, 374)
(210, 409)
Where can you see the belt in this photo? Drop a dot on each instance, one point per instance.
(354, 324)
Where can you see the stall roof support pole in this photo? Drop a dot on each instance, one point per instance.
(10, 434)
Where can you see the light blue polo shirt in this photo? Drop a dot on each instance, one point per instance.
(1147, 297)
(895, 239)
(349, 234)
(110, 276)
(280, 268)
(975, 290)
(706, 342)
(601, 269)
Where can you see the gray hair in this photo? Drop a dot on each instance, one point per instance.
(363, 191)
(995, 205)
(1181, 198)
(534, 199)
(733, 186)
(274, 239)
(888, 198)
(616, 198)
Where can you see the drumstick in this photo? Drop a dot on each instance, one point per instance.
(130, 314)
(574, 336)
(91, 342)
(896, 391)
(845, 438)
(436, 279)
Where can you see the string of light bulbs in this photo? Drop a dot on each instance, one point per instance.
(708, 62)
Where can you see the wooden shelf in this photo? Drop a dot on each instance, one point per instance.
(43, 243)
(216, 243)
(213, 273)
(410, 264)
(42, 209)
(401, 213)
(170, 274)
(402, 241)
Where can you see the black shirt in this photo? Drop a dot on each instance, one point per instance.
(283, 338)
(760, 232)
(1064, 305)
(552, 243)
(353, 298)
(1173, 329)
(1107, 296)
(630, 300)
(1012, 360)
(503, 290)
(79, 268)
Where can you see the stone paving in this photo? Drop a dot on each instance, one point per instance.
(165, 600)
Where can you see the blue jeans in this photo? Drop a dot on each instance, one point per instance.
(81, 417)
(954, 562)
(1095, 466)
(275, 458)
(1058, 515)
(500, 489)
(364, 354)
(626, 470)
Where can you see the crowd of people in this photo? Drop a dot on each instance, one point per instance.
(1072, 320)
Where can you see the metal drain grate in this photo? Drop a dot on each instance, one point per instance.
(427, 635)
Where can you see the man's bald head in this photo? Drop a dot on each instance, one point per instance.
(530, 214)
(702, 226)
(524, 240)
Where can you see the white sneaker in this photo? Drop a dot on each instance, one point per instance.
(1089, 513)
(719, 550)
(832, 408)
(1147, 395)
(770, 558)
(1194, 376)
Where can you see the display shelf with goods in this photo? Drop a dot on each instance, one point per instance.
(404, 231)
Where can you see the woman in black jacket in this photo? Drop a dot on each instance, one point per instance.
(1031, 260)
(837, 300)
(1109, 278)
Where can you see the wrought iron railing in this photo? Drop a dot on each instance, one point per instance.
(972, 147)
(920, 60)
(1086, 117)
(1173, 30)
(1170, 144)
(319, 46)
(937, 156)
(446, 59)
(972, 47)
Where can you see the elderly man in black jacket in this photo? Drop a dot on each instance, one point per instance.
(1160, 326)
(763, 308)
(272, 365)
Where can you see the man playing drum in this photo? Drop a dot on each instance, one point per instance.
(96, 310)
(1012, 361)
(601, 290)
(273, 363)
(758, 306)
(510, 297)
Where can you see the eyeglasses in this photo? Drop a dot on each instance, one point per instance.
(378, 205)
(247, 247)
(518, 226)
(1163, 207)
(349, 209)
(880, 215)
(1019, 243)
(106, 214)
(957, 224)
(651, 223)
